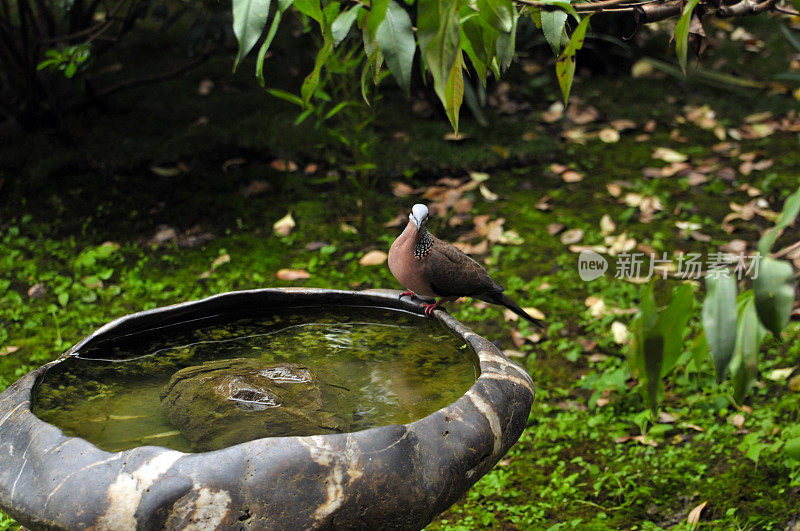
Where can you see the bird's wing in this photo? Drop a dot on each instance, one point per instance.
(453, 273)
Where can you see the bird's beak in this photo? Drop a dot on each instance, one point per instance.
(417, 222)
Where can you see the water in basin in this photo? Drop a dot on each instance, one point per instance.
(210, 384)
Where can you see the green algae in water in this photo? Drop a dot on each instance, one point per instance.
(359, 368)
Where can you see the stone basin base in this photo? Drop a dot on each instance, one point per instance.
(390, 477)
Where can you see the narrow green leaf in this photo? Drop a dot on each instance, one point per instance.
(649, 344)
(791, 208)
(249, 19)
(286, 96)
(454, 91)
(341, 26)
(749, 335)
(672, 322)
(283, 5)
(311, 82)
(682, 33)
(478, 40)
(438, 35)
(377, 13)
(396, 41)
(719, 320)
(310, 8)
(699, 349)
(774, 291)
(793, 39)
(553, 27)
(507, 42)
(471, 99)
(499, 14)
(565, 64)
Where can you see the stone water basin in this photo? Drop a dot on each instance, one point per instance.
(274, 408)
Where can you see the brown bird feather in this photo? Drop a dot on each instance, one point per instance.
(430, 267)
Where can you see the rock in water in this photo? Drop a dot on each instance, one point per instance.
(225, 402)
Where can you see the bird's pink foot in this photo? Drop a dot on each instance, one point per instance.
(429, 308)
(406, 293)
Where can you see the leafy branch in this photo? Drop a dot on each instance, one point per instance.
(474, 37)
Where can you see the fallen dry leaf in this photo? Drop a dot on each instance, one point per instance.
(204, 87)
(293, 274)
(737, 420)
(232, 163)
(400, 189)
(582, 116)
(478, 176)
(669, 155)
(553, 113)
(347, 228)
(694, 515)
(609, 135)
(614, 189)
(373, 258)
(555, 228)
(283, 165)
(487, 194)
(284, 226)
(544, 203)
(536, 313)
(8, 349)
(620, 333)
(254, 188)
(607, 226)
(572, 236)
(571, 176)
(480, 248)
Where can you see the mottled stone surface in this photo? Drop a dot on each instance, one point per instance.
(225, 402)
(390, 477)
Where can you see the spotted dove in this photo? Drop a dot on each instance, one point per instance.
(430, 268)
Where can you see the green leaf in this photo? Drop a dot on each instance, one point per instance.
(719, 320)
(396, 41)
(286, 96)
(479, 41)
(553, 27)
(63, 298)
(438, 35)
(682, 33)
(377, 13)
(70, 70)
(249, 19)
(699, 349)
(672, 323)
(283, 5)
(499, 14)
(454, 91)
(792, 448)
(565, 64)
(791, 208)
(749, 335)
(793, 39)
(774, 291)
(341, 26)
(311, 82)
(310, 8)
(649, 344)
(506, 43)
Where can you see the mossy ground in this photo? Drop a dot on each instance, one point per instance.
(65, 193)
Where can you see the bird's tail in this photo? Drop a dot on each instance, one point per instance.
(505, 300)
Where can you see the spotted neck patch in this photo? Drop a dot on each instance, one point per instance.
(424, 245)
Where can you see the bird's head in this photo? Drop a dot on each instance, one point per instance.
(419, 216)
